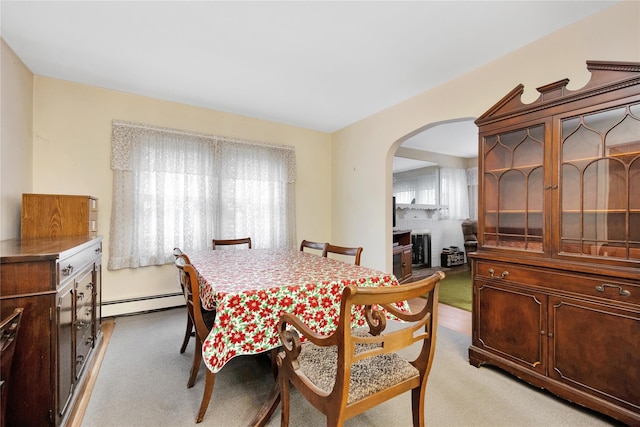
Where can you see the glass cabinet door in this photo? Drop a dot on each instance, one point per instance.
(600, 184)
(513, 195)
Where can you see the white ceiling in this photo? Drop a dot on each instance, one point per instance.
(458, 138)
(320, 65)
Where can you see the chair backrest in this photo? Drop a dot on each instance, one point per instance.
(356, 346)
(312, 245)
(177, 252)
(8, 336)
(370, 297)
(191, 290)
(342, 250)
(470, 230)
(230, 242)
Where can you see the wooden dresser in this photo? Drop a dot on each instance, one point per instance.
(402, 255)
(58, 283)
(55, 274)
(556, 277)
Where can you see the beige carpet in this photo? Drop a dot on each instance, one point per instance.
(143, 379)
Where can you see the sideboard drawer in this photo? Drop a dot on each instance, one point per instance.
(72, 264)
(560, 281)
(599, 287)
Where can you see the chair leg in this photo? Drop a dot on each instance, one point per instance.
(284, 402)
(417, 406)
(197, 361)
(206, 396)
(274, 363)
(335, 419)
(188, 334)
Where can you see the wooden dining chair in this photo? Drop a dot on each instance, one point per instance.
(342, 250)
(8, 336)
(189, 332)
(312, 245)
(230, 242)
(353, 370)
(189, 280)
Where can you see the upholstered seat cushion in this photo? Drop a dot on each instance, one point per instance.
(368, 376)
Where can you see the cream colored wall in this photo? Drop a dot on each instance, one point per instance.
(16, 103)
(72, 142)
(443, 160)
(363, 152)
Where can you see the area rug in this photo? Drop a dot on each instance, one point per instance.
(143, 383)
(455, 290)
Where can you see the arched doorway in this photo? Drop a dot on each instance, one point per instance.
(438, 153)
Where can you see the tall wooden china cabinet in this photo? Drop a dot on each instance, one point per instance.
(54, 273)
(556, 278)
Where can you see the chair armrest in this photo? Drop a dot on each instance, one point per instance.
(302, 328)
(290, 338)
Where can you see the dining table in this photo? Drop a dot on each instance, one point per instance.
(250, 289)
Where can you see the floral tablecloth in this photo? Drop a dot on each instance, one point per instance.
(250, 289)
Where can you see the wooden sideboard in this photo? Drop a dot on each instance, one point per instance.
(556, 276)
(402, 255)
(58, 284)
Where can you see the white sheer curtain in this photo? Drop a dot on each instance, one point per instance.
(472, 181)
(454, 193)
(419, 184)
(174, 188)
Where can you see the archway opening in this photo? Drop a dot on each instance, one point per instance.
(434, 185)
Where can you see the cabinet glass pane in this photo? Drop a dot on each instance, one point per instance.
(529, 152)
(534, 222)
(497, 156)
(490, 192)
(634, 209)
(605, 186)
(571, 225)
(535, 206)
(579, 142)
(513, 192)
(535, 188)
(571, 191)
(600, 184)
(513, 189)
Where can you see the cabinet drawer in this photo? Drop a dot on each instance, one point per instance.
(84, 345)
(69, 266)
(560, 281)
(509, 272)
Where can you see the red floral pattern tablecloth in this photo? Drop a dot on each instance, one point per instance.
(250, 289)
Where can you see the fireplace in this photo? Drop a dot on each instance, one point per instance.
(421, 251)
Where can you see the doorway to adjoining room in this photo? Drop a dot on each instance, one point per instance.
(435, 187)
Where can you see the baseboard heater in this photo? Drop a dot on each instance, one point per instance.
(141, 304)
(123, 301)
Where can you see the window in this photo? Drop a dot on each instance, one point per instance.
(174, 188)
(435, 186)
(454, 193)
(420, 185)
(472, 181)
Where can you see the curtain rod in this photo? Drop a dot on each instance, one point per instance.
(199, 135)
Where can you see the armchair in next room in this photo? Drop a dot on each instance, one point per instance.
(470, 232)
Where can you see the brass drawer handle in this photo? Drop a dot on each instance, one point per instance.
(502, 276)
(67, 270)
(623, 292)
